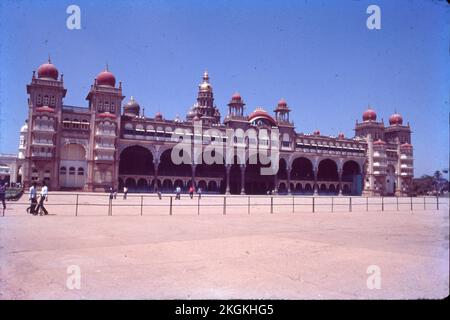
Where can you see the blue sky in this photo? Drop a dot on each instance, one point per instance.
(318, 55)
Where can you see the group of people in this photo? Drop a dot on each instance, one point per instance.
(37, 201)
(113, 193)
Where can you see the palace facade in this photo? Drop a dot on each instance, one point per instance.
(110, 143)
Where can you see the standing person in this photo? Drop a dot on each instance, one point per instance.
(33, 198)
(43, 197)
(2, 195)
(199, 191)
(115, 193)
(177, 191)
(191, 192)
(125, 192)
(111, 193)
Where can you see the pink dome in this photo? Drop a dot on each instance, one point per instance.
(47, 71)
(106, 78)
(369, 115)
(395, 119)
(236, 96)
(261, 114)
(282, 103)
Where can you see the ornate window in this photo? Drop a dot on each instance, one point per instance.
(39, 100)
(80, 171)
(46, 102)
(71, 171)
(53, 101)
(62, 171)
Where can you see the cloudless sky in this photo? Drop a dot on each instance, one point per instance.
(318, 55)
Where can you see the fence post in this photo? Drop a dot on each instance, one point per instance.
(397, 202)
(224, 205)
(110, 207)
(248, 205)
(437, 202)
(313, 209)
(76, 206)
(424, 203)
(271, 204)
(411, 204)
(367, 204)
(350, 203)
(142, 202)
(170, 210)
(382, 203)
(332, 204)
(293, 204)
(198, 206)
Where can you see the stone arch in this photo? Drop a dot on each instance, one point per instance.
(351, 172)
(136, 160)
(327, 170)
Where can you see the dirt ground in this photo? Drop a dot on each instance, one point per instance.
(186, 255)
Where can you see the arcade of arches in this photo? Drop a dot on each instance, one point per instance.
(140, 171)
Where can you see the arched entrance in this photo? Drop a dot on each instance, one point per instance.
(351, 172)
(390, 180)
(73, 166)
(136, 161)
(255, 182)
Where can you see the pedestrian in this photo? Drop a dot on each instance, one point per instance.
(115, 194)
(42, 198)
(2, 195)
(191, 192)
(158, 192)
(125, 192)
(177, 192)
(111, 193)
(33, 199)
(199, 192)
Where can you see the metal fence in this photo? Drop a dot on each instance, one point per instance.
(84, 204)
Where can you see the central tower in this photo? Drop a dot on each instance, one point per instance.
(205, 109)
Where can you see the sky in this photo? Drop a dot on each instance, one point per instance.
(318, 55)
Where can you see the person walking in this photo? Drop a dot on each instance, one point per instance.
(125, 192)
(158, 192)
(199, 192)
(33, 199)
(3, 195)
(191, 192)
(177, 192)
(43, 196)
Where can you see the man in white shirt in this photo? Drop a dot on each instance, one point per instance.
(43, 197)
(32, 197)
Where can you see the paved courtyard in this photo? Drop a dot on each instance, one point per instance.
(142, 251)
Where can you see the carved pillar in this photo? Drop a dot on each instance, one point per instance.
(227, 181)
(340, 181)
(193, 177)
(288, 173)
(316, 191)
(242, 178)
(155, 176)
(275, 184)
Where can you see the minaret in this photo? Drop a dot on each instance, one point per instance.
(282, 112)
(46, 93)
(205, 108)
(105, 100)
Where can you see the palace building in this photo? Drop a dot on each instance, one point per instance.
(110, 143)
